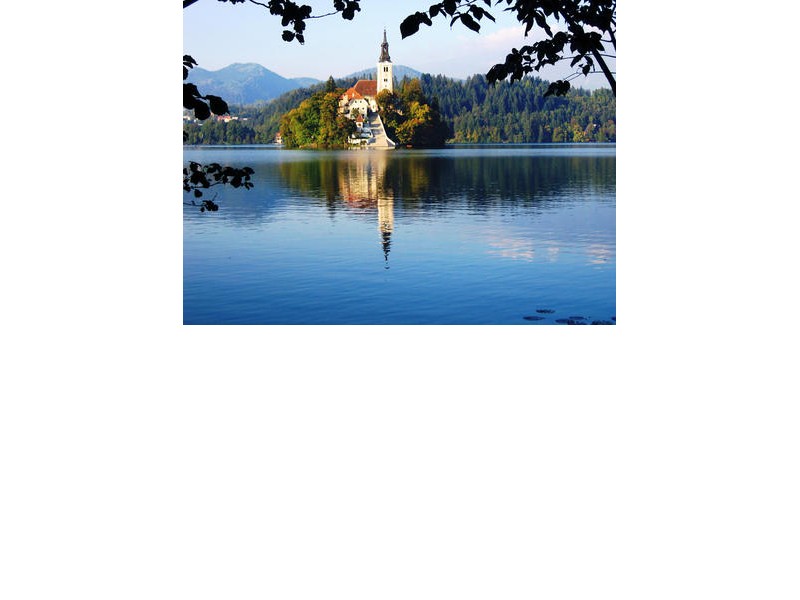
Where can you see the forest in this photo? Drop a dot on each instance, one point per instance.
(472, 110)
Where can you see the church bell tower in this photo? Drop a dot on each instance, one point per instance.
(385, 78)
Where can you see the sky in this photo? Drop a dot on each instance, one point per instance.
(217, 34)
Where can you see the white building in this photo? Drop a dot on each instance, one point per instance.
(361, 96)
(385, 77)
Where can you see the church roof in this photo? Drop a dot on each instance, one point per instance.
(366, 87)
(352, 94)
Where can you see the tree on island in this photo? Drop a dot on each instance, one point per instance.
(410, 118)
(317, 123)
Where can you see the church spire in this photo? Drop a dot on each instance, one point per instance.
(384, 49)
(385, 76)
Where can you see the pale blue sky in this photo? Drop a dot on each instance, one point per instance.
(217, 34)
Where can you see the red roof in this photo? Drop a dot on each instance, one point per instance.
(352, 94)
(366, 87)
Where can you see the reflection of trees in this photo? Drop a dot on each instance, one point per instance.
(362, 180)
(369, 185)
(317, 177)
(357, 179)
(419, 179)
(489, 179)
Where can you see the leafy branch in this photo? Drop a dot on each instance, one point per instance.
(197, 177)
(202, 106)
(205, 205)
(295, 15)
(587, 21)
(589, 25)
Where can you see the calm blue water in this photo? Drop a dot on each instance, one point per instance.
(463, 235)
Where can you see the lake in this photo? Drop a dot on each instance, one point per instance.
(507, 234)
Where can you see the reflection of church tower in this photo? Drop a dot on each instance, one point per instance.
(385, 81)
(362, 185)
(386, 224)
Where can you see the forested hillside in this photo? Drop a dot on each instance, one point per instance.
(520, 112)
(475, 112)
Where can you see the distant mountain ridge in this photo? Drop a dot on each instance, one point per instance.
(245, 83)
(251, 83)
(398, 71)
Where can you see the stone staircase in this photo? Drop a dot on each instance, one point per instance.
(382, 141)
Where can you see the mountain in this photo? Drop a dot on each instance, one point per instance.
(305, 81)
(250, 83)
(244, 83)
(399, 71)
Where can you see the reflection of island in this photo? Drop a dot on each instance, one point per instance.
(362, 184)
(443, 182)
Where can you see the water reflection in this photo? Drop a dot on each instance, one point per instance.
(436, 183)
(512, 248)
(362, 185)
(424, 180)
(474, 236)
(422, 183)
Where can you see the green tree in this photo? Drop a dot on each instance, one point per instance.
(411, 91)
(410, 118)
(316, 123)
(330, 85)
(389, 108)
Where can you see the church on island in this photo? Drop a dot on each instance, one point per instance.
(359, 103)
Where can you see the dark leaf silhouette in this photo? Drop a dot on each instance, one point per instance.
(196, 178)
(590, 25)
(559, 88)
(470, 22)
(411, 23)
(409, 26)
(217, 105)
(201, 110)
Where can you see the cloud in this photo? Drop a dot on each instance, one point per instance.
(502, 38)
(471, 53)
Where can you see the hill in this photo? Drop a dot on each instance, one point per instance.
(305, 81)
(399, 71)
(244, 83)
(251, 83)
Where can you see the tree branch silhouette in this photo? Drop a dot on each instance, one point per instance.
(196, 176)
(587, 21)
